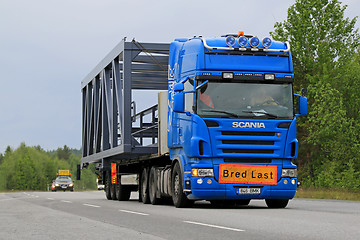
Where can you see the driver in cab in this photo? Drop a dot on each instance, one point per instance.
(262, 99)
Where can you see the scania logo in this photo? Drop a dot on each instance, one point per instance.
(248, 125)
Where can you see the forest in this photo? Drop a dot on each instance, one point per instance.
(326, 57)
(32, 168)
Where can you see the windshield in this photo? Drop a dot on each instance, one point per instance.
(63, 179)
(245, 100)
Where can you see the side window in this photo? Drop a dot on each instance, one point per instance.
(189, 97)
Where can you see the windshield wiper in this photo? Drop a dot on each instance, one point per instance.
(221, 111)
(262, 112)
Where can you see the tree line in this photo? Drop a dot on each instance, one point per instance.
(32, 168)
(326, 58)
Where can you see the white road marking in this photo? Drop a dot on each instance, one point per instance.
(215, 226)
(66, 201)
(50, 198)
(6, 199)
(90, 205)
(29, 196)
(139, 213)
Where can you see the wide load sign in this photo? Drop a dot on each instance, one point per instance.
(64, 173)
(248, 174)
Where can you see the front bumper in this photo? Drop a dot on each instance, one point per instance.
(63, 188)
(225, 191)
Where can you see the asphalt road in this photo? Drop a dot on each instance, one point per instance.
(88, 215)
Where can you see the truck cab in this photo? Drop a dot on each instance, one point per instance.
(232, 120)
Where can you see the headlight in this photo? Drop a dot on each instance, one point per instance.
(56, 184)
(202, 172)
(230, 41)
(289, 173)
(243, 41)
(266, 42)
(254, 42)
(71, 184)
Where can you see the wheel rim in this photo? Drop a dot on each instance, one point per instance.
(177, 184)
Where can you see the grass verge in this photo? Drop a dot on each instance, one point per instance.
(322, 193)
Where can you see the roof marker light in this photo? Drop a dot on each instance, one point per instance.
(243, 41)
(266, 42)
(269, 76)
(230, 41)
(254, 42)
(228, 75)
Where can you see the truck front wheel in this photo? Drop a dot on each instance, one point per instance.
(277, 203)
(178, 196)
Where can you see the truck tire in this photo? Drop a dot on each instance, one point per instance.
(122, 192)
(179, 198)
(108, 186)
(277, 203)
(153, 187)
(144, 186)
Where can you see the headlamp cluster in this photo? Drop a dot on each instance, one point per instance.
(244, 41)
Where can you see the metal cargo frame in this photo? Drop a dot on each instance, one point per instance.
(108, 114)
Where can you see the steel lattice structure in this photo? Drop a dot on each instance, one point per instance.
(108, 129)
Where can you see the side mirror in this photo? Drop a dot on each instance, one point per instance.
(179, 100)
(302, 106)
(304, 91)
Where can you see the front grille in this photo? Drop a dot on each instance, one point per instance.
(261, 151)
(247, 142)
(247, 160)
(240, 133)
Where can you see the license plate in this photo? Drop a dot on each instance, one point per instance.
(254, 191)
(247, 174)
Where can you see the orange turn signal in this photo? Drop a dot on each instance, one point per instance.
(195, 172)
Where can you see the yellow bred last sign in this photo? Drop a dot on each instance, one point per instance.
(247, 174)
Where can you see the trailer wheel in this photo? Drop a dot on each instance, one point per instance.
(144, 187)
(153, 187)
(108, 186)
(122, 192)
(277, 203)
(112, 189)
(179, 198)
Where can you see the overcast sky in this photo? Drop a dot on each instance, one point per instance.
(47, 47)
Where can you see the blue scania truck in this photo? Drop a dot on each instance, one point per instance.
(224, 128)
